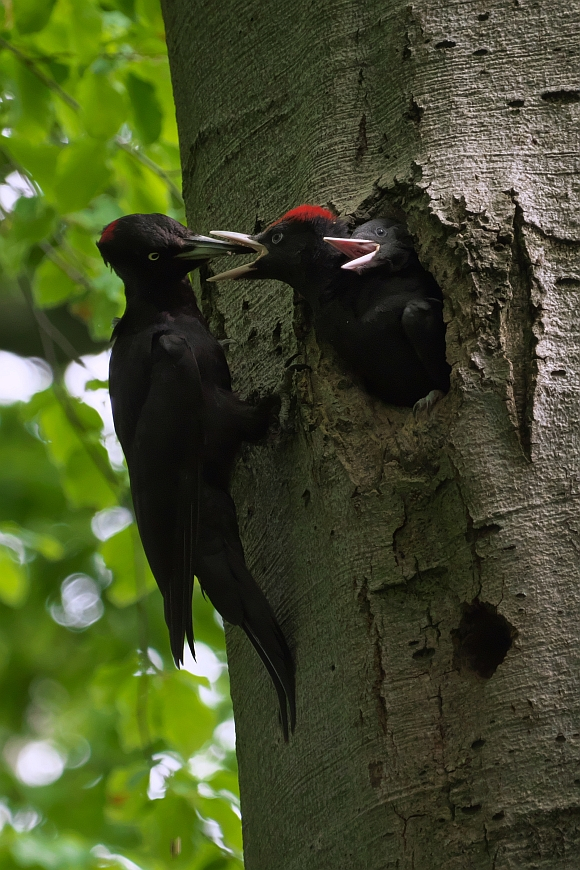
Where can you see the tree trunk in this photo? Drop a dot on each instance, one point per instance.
(425, 572)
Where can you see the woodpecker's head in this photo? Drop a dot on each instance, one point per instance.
(291, 249)
(381, 243)
(146, 249)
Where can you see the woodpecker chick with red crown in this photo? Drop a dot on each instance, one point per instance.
(180, 427)
(384, 320)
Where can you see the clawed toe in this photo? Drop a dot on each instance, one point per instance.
(427, 403)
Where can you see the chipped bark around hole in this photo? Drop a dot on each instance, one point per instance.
(389, 546)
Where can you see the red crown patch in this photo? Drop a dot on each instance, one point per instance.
(108, 232)
(306, 213)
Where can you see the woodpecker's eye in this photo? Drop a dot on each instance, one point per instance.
(153, 256)
(277, 237)
(380, 231)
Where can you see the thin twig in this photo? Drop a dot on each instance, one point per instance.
(46, 325)
(50, 83)
(150, 164)
(69, 270)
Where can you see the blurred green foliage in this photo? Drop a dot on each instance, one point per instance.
(110, 757)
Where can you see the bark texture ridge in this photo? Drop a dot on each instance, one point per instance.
(425, 572)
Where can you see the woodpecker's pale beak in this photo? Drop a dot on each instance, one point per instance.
(360, 251)
(243, 244)
(202, 248)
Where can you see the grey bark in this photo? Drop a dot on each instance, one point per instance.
(405, 559)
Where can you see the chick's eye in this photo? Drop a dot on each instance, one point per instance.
(153, 256)
(277, 237)
(380, 231)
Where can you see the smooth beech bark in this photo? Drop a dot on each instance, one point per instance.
(425, 571)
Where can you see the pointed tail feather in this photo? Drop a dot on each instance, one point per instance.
(280, 666)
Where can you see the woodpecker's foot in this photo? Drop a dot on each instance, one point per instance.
(427, 403)
(226, 342)
(285, 385)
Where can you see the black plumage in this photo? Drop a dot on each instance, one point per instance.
(384, 317)
(180, 426)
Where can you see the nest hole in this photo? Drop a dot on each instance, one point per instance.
(482, 639)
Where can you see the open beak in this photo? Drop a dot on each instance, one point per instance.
(243, 245)
(202, 248)
(359, 251)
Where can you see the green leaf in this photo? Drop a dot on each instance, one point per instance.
(31, 16)
(85, 24)
(82, 173)
(142, 190)
(84, 483)
(13, 579)
(33, 220)
(103, 107)
(147, 112)
(38, 159)
(51, 285)
(132, 577)
(35, 100)
(187, 724)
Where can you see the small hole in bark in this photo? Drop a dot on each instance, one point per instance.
(415, 112)
(333, 667)
(475, 808)
(375, 773)
(482, 639)
(252, 334)
(277, 332)
(477, 744)
(516, 104)
(560, 738)
(558, 373)
(483, 16)
(481, 52)
(497, 816)
(521, 595)
(413, 642)
(445, 43)
(245, 305)
(562, 97)
(306, 497)
(426, 652)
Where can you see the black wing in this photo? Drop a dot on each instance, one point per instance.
(157, 402)
(423, 325)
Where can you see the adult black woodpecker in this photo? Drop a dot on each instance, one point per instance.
(384, 321)
(180, 427)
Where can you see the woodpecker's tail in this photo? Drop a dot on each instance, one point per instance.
(234, 593)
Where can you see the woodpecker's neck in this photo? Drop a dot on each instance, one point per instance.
(174, 296)
(315, 282)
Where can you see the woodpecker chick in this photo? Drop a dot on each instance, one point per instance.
(378, 244)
